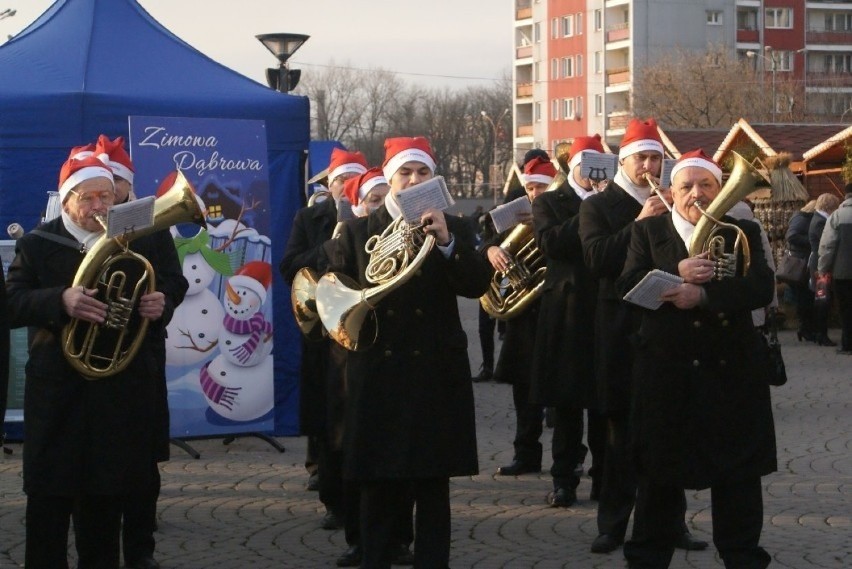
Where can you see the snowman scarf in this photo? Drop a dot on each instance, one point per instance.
(219, 394)
(253, 327)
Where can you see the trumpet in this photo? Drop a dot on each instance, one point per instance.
(655, 187)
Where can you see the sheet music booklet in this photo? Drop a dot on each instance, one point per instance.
(506, 216)
(666, 172)
(432, 193)
(647, 292)
(344, 209)
(130, 217)
(597, 167)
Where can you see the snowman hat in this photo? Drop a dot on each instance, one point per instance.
(255, 276)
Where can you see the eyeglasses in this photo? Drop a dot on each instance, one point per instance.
(88, 198)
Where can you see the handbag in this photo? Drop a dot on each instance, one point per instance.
(791, 269)
(771, 358)
(822, 289)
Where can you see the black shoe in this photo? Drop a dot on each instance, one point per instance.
(806, 336)
(352, 557)
(484, 375)
(688, 542)
(331, 521)
(606, 543)
(562, 498)
(824, 340)
(313, 483)
(402, 556)
(517, 468)
(843, 352)
(143, 563)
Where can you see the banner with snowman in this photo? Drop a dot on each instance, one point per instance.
(219, 349)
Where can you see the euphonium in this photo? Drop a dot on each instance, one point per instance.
(513, 290)
(345, 309)
(742, 181)
(106, 349)
(318, 197)
(303, 299)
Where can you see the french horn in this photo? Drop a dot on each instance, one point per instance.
(122, 277)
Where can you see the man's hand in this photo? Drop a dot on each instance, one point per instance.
(151, 305)
(696, 270)
(654, 205)
(79, 302)
(498, 258)
(436, 224)
(683, 296)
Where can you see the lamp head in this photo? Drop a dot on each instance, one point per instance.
(283, 45)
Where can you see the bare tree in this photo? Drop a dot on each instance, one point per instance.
(699, 90)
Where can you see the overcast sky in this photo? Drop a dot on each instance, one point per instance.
(451, 43)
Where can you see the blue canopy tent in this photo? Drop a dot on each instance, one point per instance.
(83, 67)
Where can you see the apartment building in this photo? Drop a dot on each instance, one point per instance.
(575, 59)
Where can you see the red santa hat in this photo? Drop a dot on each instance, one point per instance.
(357, 188)
(79, 152)
(583, 144)
(343, 161)
(697, 158)
(640, 136)
(539, 170)
(404, 149)
(255, 276)
(75, 172)
(113, 154)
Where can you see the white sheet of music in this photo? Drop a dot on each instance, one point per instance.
(432, 193)
(647, 292)
(344, 209)
(130, 217)
(597, 166)
(506, 216)
(666, 172)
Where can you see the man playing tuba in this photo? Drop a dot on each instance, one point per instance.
(698, 377)
(88, 443)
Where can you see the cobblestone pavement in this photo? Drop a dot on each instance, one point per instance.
(244, 504)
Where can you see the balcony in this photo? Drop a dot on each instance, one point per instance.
(828, 37)
(525, 130)
(618, 120)
(524, 90)
(523, 9)
(523, 52)
(618, 32)
(750, 36)
(829, 80)
(617, 76)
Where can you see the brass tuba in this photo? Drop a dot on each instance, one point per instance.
(345, 309)
(303, 299)
(513, 290)
(106, 349)
(742, 182)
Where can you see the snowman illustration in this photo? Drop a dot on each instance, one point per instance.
(193, 332)
(238, 382)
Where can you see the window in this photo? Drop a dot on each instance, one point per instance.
(598, 20)
(598, 105)
(554, 68)
(838, 22)
(554, 28)
(568, 108)
(554, 109)
(537, 32)
(537, 71)
(579, 111)
(538, 112)
(567, 67)
(779, 18)
(579, 65)
(783, 60)
(579, 23)
(714, 17)
(567, 26)
(598, 58)
(746, 19)
(838, 63)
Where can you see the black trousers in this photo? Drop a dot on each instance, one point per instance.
(737, 510)
(381, 500)
(596, 426)
(486, 339)
(804, 299)
(567, 446)
(843, 291)
(528, 424)
(618, 485)
(97, 522)
(139, 518)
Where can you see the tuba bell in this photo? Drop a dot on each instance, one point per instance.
(345, 309)
(706, 238)
(303, 300)
(122, 276)
(513, 290)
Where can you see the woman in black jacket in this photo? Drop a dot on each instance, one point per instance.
(800, 246)
(824, 207)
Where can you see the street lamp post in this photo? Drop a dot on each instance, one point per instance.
(283, 46)
(494, 164)
(773, 66)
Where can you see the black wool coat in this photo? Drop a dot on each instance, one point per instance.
(312, 227)
(797, 234)
(86, 436)
(815, 230)
(410, 410)
(701, 413)
(605, 224)
(563, 362)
